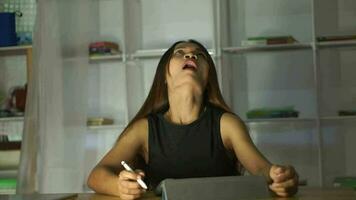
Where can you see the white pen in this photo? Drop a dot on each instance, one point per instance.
(140, 181)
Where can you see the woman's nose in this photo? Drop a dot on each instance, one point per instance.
(190, 56)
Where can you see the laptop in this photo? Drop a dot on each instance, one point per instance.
(212, 188)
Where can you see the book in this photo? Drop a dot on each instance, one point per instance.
(347, 181)
(265, 113)
(252, 41)
(99, 121)
(335, 38)
(8, 186)
(104, 48)
(347, 112)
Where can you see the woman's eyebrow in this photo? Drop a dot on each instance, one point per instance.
(178, 50)
(183, 48)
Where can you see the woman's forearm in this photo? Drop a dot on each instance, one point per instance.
(265, 172)
(103, 180)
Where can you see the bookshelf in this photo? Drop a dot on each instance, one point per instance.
(316, 74)
(12, 59)
(249, 76)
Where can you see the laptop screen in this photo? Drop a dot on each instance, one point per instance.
(212, 188)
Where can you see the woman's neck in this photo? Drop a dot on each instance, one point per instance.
(184, 107)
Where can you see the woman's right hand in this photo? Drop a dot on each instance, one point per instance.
(128, 186)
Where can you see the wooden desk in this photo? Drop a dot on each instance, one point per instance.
(305, 193)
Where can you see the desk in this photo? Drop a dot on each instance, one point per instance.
(305, 193)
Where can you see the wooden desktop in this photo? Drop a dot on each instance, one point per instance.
(305, 193)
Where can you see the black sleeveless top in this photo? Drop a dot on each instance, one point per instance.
(183, 151)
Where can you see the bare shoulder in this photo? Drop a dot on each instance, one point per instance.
(137, 130)
(230, 122)
(128, 145)
(140, 125)
(231, 128)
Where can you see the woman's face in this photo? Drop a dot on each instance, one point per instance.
(188, 67)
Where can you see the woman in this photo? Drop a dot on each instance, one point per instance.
(185, 129)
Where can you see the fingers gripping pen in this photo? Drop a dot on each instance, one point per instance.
(140, 181)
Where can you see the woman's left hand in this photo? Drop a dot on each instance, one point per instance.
(284, 180)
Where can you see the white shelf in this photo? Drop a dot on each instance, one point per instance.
(7, 191)
(10, 119)
(279, 120)
(106, 58)
(296, 120)
(150, 53)
(339, 118)
(274, 47)
(16, 48)
(8, 173)
(107, 127)
(156, 53)
(346, 43)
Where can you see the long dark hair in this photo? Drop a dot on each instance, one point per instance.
(158, 96)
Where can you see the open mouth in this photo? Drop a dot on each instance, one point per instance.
(190, 65)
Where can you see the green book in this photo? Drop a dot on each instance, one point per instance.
(335, 38)
(7, 186)
(265, 40)
(272, 37)
(7, 183)
(280, 112)
(347, 181)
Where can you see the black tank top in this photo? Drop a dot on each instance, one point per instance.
(182, 151)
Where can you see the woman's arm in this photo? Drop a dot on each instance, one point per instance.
(236, 138)
(108, 176)
(281, 179)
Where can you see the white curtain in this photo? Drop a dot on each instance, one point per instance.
(52, 154)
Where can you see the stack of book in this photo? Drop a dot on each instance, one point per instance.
(335, 38)
(270, 40)
(103, 48)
